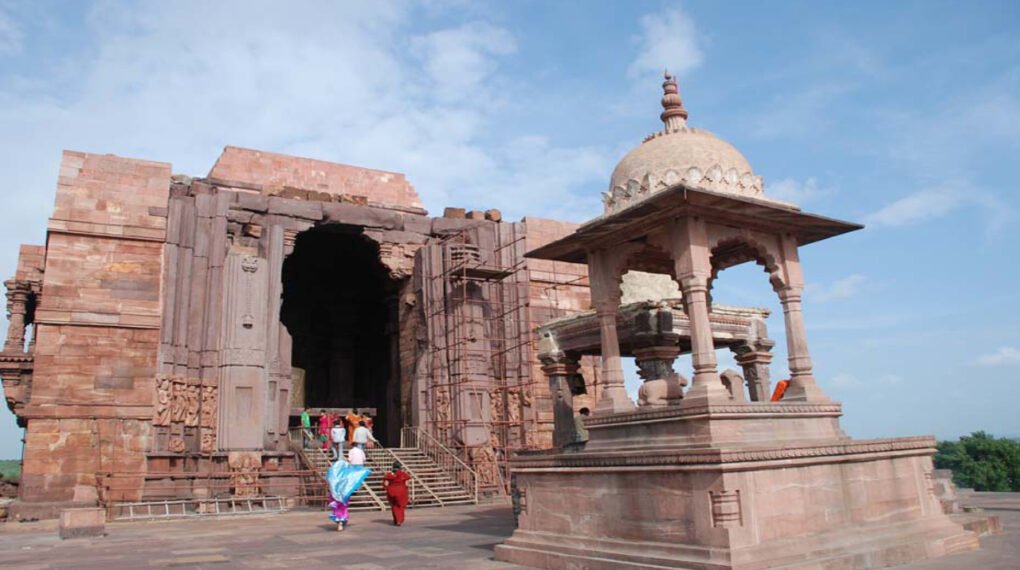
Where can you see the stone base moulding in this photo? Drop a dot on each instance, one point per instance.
(638, 499)
(75, 523)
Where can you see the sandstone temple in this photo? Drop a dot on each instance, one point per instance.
(172, 329)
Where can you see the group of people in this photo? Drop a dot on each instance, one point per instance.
(345, 476)
(337, 432)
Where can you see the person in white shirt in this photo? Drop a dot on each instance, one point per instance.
(362, 435)
(338, 435)
(356, 456)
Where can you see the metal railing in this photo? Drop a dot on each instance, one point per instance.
(309, 444)
(443, 456)
(415, 479)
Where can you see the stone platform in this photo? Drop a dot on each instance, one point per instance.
(457, 537)
(731, 487)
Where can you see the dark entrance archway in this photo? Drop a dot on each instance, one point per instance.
(339, 307)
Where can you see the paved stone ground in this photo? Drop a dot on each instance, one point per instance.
(455, 538)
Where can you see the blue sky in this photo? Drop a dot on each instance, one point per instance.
(902, 115)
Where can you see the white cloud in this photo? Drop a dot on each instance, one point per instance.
(791, 190)
(935, 203)
(1005, 356)
(10, 34)
(668, 39)
(917, 207)
(838, 290)
(458, 60)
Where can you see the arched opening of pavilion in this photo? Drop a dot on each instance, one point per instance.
(338, 306)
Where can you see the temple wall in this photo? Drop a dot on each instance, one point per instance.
(157, 343)
(554, 289)
(97, 327)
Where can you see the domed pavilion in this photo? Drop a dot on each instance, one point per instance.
(704, 476)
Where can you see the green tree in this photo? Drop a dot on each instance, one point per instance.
(982, 462)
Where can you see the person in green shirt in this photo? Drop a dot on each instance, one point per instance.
(306, 423)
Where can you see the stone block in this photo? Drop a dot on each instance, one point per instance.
(494, 215)
(476, 215)
(362, 216)
(456, 213)
(450, 225)
(75, 523)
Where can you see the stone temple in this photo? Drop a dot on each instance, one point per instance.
(170, 323)
(172, 328)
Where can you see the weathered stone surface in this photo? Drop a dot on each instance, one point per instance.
(362, 216)
(77, 523)
(262, 169)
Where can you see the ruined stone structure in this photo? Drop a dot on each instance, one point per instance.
(705, 475)
(172, 328)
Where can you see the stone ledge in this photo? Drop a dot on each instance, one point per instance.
(671, 456)
(733, 411)
(75, 523)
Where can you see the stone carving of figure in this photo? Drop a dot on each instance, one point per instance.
(244, 473)
(209, 405)
(662, 386)
(180, 402)
(208, 441)
(191, 395)
(441, 412)
(161, 415)
(734, 382)
(483, 460)
(513, 407)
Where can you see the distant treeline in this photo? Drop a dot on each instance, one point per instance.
(982, 462)
(10, 469)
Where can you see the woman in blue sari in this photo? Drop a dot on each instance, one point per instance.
(343, 479)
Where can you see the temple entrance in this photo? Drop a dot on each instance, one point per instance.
(339, 307)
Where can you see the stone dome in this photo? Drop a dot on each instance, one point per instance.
(679, 153)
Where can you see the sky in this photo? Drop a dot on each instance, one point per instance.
(904, 116)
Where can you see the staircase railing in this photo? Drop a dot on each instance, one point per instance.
(306, 437)
(415, 479)
(465, 476)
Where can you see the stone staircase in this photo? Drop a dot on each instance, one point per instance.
(430, 484)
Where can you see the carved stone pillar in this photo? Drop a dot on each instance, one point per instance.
(603, 275)
(662, 385)
(706, 382)
(803, 387)
(755, 364)
(559, 369)
(688, 244)
(17, 307)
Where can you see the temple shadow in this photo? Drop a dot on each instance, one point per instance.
(496, 523)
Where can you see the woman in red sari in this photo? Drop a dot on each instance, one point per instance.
(395, 483)
(325, 425)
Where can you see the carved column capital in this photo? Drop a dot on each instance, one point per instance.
(559, 365)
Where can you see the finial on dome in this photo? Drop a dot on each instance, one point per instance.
(674, 116)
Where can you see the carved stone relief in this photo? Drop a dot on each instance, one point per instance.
(185, 411)
(244, 473)
(191, 399)
(180, 402)
(164, 395)
(726, 509)
(210, 403)
(483, 461)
